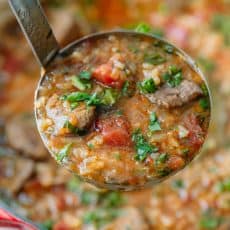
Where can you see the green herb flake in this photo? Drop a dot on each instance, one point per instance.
(63, 153)
(154, 59)
(168, 49)
(178, 184)
(210, 221)
(71, 127)
(47, 225)
(73, 185)
(185, 152)
(74, 105)
(221, 23)
(162, 158)
(154, 124)
(100, 216)
(173, 76)
(117, 156)
(206, 64)
(147, 86)
(113, 199)
(94, 100)
(76, 97)
(110, 96)
(142, 147)
(204, 89)
(89, 197)
(143, 28)
(80, 84)
(223, 186)
(90, 145)
(86, 75)
(204, 103)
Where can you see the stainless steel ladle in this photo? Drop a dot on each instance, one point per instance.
(45, 48)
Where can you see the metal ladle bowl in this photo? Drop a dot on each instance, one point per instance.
(46, 49)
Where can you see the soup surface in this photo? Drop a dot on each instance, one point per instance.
(123, 111)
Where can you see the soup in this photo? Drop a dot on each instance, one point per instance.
(125, 111)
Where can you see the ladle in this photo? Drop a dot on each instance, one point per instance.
(45, 47)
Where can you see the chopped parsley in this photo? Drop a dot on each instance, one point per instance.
(76, 97)
(110, 96)
(173, 76)
(204, 103)
(80, 84)
(154, 59)
(178, 184)
(112, 200)
(223, 186)
(100, 216)
(206, 64)
(209, 220)
(147, 86)
(47, 225)
(221, 23)
(143, 148)
(70, 127)
(143, 28)
(127, 89)
(168, 49)
(162, 158)
(154, 124)
(63, 153)
(85, 75)
(204, 89)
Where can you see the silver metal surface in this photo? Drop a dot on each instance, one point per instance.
(36, 28)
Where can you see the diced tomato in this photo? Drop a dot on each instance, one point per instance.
(196, 135)
(103, 74)
(115, 131)
(61, 226)
(175, 162)
(11, 63)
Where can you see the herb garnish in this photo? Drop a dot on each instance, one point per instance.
(173, 76)
(223, 186)
(147, 86)
(70, 127)
(154, 59)
(63, 153)
(209, 220)
(221, 23)
(143, 148)
(178, 184)
(154, 124)
(204, 103)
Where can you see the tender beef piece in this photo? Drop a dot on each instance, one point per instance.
(22, 134)
(131, 219)
(48, 174)
(14, 171)
(60, 112)
(173, 97)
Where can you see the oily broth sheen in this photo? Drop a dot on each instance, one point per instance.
(90, 156)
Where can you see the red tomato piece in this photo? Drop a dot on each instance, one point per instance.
(115, 131)
(196, 135)
(103, 74)
(61, 226)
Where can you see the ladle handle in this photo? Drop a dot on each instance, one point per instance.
(36, 28)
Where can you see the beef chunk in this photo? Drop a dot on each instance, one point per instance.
(168, 97)
(22, 134)
(60, 112)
